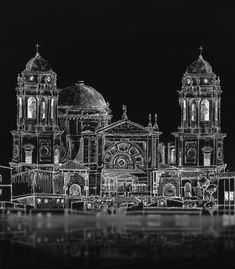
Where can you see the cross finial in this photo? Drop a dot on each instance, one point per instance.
(201, 48)
(37, 46)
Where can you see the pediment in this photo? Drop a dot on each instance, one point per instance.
(124, 127)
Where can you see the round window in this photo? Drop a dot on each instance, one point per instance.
(75, 190)
(191, 153)
(44, 151)
(169, 190)
(121, 162)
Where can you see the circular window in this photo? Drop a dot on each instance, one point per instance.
(31, 78)
(191, 153)
(205, 80)
(169, 190)
(44, 151)
(188, 81)
(75, 190)
(48, 79)
(121, 162)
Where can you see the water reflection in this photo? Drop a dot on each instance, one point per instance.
(88, 241)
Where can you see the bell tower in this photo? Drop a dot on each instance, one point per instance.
(37, 138)
(199, 141)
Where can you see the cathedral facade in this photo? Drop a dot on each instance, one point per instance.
(66, 146)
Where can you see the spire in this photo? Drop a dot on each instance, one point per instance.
(155, 126)
(124, 114)
(150, 126)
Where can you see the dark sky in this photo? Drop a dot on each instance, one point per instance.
(132, 52)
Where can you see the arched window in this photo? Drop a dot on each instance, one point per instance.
(20, 107)
(207, 155)
(32, 107)
(173, 159)
(43, 109)
(28, 156)
(205, 110)
(184, 110)
(52, 108)
(187, 190)
(28, 153)
(193, 112)
(216, 111)
(207, 159)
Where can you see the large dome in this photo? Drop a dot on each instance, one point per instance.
(82, 97)
(200, 66)
(38, 64)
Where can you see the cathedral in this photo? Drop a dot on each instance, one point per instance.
(66, 145)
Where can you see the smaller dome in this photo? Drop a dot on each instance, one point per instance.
(38, 64)
(200, 66)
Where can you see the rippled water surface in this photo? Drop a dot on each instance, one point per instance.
(151, 241)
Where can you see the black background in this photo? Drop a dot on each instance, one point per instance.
(132, 52)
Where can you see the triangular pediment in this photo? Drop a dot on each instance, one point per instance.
(125, 127)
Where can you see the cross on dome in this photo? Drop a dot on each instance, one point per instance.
(201, 48)
(37, 46)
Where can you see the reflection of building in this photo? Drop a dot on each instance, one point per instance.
(66, 145)
(155, 239)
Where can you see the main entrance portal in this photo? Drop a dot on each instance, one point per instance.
(114, 183)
